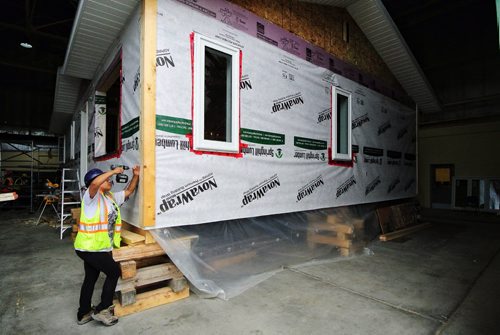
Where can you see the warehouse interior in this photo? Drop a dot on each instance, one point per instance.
(440, 280)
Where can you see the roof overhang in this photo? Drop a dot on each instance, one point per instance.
(97, 26)
(373, 19)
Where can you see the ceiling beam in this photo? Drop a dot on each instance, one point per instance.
(33, 31)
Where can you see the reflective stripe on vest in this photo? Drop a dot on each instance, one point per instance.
(93, 233)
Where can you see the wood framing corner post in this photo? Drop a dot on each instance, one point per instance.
(147, 186)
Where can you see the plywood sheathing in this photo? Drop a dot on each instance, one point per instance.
(321, 25)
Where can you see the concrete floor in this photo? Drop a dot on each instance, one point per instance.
(443, 280)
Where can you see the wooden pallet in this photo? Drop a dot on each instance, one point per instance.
(148, 278)
(346, 235)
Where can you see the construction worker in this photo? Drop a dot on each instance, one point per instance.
(98, 233)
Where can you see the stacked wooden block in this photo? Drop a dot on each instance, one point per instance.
(345, 234)
(148, 277)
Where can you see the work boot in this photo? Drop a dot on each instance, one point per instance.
(106, 316)
(87, 317)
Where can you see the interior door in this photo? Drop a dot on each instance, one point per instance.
(441, 185)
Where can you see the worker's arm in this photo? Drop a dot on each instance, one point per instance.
(99, 180)
(133, 183)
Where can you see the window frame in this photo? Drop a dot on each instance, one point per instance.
(335, 155)
(107, 82)
(199, 141)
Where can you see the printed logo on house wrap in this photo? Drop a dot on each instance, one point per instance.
(345, 186)
(288, 62)
(267, 140)
(330, 78)
(394, 157)
(137, 79)
(164, 58)
(409, 184)
(259, 191)
(315, 57)
(383, 127)
(373, 155)
(309, 188)
(193, 4)
(288, 102)
(130, 144)
(325, 115)
(174, 125)
(360, 91)
(304, 147)
(410, 159)
(169, 142)
(245, 82)
(230, 37)
(261, 31)
(234, 18)
(393, 185)
(359, 121)
(372, 185)
(187, 193)
(287, 75)
(290, 45)
(402, 132)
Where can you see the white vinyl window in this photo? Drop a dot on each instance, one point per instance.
(341, 124)
(216, 119)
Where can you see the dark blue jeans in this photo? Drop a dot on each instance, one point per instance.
(94, 263)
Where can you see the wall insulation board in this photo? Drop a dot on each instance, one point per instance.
(285, 118)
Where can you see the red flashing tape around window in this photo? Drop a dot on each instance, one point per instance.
(190, 136)
(348, 164)
(117, 153)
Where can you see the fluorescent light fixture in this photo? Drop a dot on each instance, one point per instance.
(26, 45)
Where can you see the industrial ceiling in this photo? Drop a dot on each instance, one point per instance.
(445, 53)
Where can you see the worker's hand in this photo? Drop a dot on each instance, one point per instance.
(118, 170)
(136, 170)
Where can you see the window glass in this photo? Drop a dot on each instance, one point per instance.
(342, 124)
(217, 95)
(216, 99)
(107, 125)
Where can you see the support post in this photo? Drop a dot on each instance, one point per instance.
(147, 184)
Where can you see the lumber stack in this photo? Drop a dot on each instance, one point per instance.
(75, 214)
(344, 233)
(398, 221)
(148, 278)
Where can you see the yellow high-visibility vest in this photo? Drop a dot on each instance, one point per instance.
(93, 234)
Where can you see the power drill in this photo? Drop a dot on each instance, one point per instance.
(121, 178)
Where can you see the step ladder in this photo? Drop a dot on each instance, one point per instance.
(70, 185)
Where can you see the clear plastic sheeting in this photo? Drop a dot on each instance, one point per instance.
(223, 259)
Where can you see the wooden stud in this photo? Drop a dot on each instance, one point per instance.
(129, 269)
(147, 184)
(150, 299)
(137, 252)
(177, 284)
(127, 296)
(147, 235)
(150, 275)
(403, 232)
(131, 238)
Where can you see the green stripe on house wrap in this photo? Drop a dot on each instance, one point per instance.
(130, 128)
(174, 125)
(262, 137)
(309, 143)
